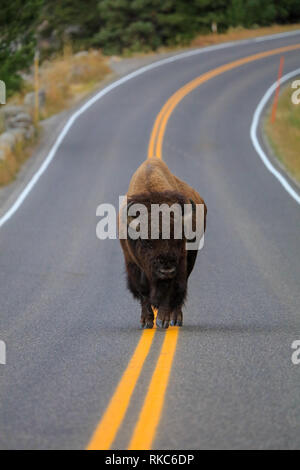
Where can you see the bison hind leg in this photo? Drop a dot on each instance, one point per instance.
(147, 315)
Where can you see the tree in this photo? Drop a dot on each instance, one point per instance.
(70, 20)
(205, 12)
(17, 39)
(288, 11)
(142, 24)
(118, 26)
(253, 12)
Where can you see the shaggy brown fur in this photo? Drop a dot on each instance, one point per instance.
(158, 270)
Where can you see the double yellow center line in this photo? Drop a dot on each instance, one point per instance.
(144, 432)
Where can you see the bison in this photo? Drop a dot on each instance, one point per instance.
(158, 269)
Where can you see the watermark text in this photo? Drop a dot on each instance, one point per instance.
(296, 94)
(153, 221)
(2, 92)
(2, 353)
(296, 354)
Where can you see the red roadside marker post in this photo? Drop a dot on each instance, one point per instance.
(274, 107)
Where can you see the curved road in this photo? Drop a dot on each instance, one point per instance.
(71, 327)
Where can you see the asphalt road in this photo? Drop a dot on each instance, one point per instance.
(71, 327)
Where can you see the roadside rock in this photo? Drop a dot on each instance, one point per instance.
(29, 99)
(11, 110)
(9, 139)
(81, 54)
(20, 120)
(17, 119)
(19, 127)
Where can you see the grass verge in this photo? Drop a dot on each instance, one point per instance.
(239, 33)
(13, 161)
(283, 135)
(65, 80)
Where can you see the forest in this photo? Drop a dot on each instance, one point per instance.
(121, 26)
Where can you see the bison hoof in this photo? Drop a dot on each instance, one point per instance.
(176, 323)
(176, 318)
(162, 323)
(147, 325)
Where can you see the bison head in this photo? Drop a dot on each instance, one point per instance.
(154, 236)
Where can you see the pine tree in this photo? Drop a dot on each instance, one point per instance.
(17, 39)
(253, 12)
(70, 20)
(141, 24)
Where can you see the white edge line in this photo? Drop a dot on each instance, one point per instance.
(276, 36)
(111, 87)
(255, 141)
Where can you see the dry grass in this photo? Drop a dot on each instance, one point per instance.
(69, 77)
(8, 169)
(13, 161)
(65, 79)
(284, 133)
(235, 34)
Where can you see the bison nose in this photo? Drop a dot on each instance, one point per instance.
(167, 272)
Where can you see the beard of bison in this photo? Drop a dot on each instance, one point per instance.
(157, 273)
(159, 280)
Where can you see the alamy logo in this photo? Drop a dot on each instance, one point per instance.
(2, 92)
(153, 221)
(2, 353)
(296, 354)
(296, 94)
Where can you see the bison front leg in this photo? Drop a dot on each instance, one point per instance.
(147, 316)
(176, 317)
(163, 317)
